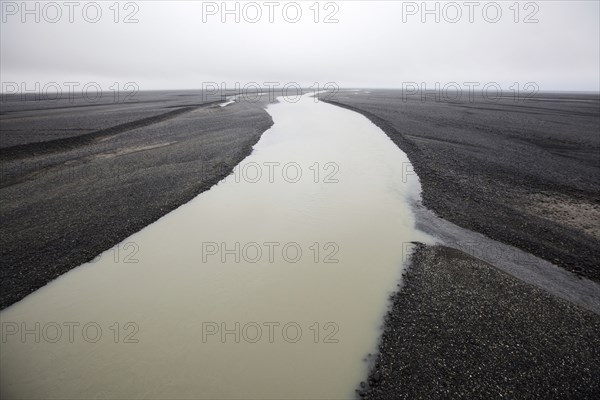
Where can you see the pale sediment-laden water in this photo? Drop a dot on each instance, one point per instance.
(272, 284)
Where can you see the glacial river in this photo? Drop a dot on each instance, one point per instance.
(272, 284)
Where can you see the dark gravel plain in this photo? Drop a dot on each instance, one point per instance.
(525, 173)
(460, 328)
(100, 173)
(34, 118)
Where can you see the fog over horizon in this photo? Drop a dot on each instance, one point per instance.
(376, 44)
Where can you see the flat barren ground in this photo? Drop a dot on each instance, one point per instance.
(79, 178)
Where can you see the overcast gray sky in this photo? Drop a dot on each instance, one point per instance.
(181, 44)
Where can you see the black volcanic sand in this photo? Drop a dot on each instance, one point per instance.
(81, 191)
(460, 328)
(524, 173)
(33, 118)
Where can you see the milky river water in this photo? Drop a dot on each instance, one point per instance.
(272, 284)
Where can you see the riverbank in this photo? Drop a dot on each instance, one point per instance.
(460, 328)
(65, 199)
(523, 173)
